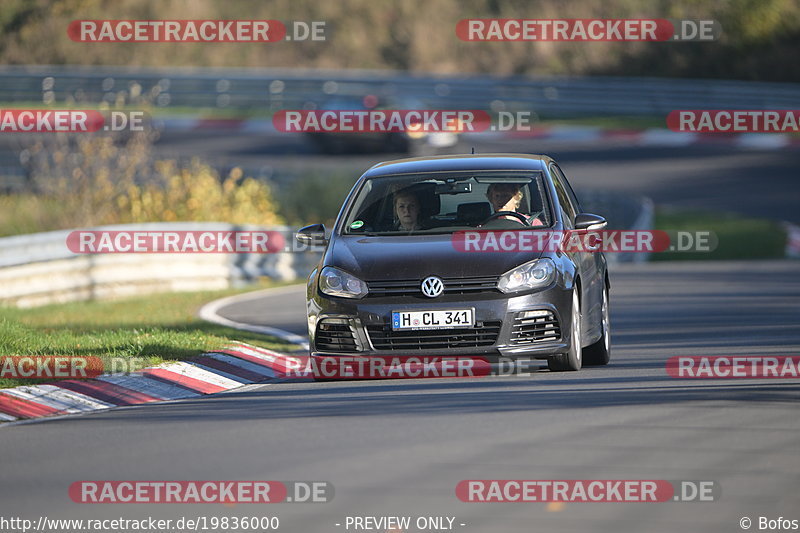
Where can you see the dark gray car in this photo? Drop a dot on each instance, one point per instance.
(409, 271)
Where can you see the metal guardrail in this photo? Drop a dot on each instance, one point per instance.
(40, 269)
(272, 89)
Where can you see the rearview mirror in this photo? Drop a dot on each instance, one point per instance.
(589, 221)
(312, 235)
(453, 188)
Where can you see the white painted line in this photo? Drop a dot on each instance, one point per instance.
(239, 380)
(209, 313)
(266, 355)
(77, 397)
(33, 393)
(266, 351)
(241, 363)
(574, 133)
(191, 371)
(7, 418)
(258, 350)
(175, 123)
(485, 134)
(245, 350)
(792, 240)
(258, 126)
(662, 137)
(148, 386)
(768, 141)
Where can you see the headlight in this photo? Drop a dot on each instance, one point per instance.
(335, 282)
(532, 275)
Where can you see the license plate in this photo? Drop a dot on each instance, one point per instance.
(440, 319)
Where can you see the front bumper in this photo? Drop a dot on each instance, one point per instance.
(496, 334)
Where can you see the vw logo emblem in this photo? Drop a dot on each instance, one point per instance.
(432, 286)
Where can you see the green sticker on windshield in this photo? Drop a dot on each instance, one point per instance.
(357, 224)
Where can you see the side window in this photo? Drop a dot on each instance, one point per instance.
(568, 210)
(571, 193)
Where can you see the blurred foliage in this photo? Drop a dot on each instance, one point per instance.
(760, 41)
(95, 179)
(316, 198)
(739, 237)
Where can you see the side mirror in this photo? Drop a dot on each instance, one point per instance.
(313, 235)
(589, 221)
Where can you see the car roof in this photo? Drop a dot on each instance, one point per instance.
(455, 163)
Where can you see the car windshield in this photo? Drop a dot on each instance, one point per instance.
(447, 202)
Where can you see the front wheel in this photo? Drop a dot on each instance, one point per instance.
(599, 353)
(572, 360)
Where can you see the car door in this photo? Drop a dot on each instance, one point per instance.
(590, 265)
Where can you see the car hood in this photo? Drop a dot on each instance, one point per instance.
(416, 257)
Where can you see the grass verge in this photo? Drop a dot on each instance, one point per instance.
(145, 331)
(739, 237)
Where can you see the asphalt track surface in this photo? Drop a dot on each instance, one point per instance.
(399, 447)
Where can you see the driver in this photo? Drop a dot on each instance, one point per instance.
(507, 197)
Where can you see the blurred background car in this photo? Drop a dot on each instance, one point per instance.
(404, 142)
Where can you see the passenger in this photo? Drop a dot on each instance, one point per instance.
(406, 211)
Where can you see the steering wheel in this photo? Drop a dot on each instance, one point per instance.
(521, 218)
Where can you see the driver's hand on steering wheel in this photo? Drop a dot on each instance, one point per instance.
(514, 216)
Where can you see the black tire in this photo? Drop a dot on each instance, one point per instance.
(599, 353)
(572, 360)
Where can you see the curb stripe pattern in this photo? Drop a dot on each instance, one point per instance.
(107, 392)
(242, 375)
(43, 397)
(18, 408)
(158, 389)
(209, 373)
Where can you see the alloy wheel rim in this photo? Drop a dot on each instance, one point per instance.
(576, 327)
(606, 323)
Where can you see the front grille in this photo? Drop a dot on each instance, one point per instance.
(335, 335)
(384, 338)
(535, 326)
(411, 287)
